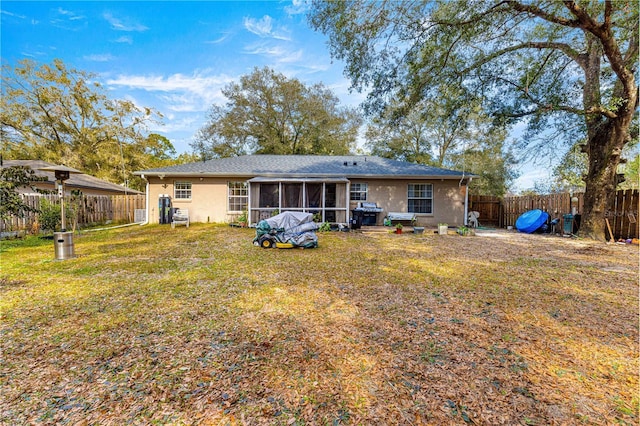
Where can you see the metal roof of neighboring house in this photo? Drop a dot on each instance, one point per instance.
(284, 166)
(76, 180)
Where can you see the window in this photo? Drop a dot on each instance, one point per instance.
(238, 196)
(420, 198)
(359, 191)
(182, 190)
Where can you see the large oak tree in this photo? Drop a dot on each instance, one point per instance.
(566, 68)
(62, 115)
(268, 113)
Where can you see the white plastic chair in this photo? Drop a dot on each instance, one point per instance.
(473, 219)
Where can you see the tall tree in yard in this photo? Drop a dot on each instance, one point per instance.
(267, 113)
(564, 68)
(62, 115)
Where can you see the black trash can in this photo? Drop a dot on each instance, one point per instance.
(63, 244)
(356, 219)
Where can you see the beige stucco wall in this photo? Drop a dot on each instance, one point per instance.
(391, 196)
(209, 199)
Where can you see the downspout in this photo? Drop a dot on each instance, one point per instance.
(249, 215)
(466, 202)
(347, 199)
(146, 210)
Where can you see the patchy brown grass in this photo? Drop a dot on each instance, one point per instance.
(150, 325)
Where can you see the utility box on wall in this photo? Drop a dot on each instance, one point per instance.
(165, 212)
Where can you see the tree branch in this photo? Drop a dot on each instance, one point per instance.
(536, 11)
(564, 48)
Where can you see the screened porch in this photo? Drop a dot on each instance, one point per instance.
(326, 198)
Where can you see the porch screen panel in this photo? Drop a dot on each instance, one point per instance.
(330, 195)
(255, 195)
(269, 195)
(341, 195)
(292, 195)
(314, 196)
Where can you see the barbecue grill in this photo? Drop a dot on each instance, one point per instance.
(366, 213)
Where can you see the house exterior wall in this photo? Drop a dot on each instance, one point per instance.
(391, 196)
(209, 199)
(208, 202)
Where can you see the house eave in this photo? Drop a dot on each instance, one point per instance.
(296, 176)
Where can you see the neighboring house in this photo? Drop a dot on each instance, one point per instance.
(220, 190)
(89, 185)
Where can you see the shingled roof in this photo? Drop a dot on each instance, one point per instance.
(76, 180)
(323, 166)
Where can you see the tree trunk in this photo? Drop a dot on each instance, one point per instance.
(606, 137)
(604, 148)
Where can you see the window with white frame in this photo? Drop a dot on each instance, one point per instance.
(182, 191)
(359, 191)
(420, 198)
(238, 196)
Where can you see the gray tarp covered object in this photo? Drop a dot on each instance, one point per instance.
(297, 228)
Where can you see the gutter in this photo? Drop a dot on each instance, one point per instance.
(466, 202)
(146, 208)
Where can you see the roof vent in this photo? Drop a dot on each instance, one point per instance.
(355, 163)
(346, 163)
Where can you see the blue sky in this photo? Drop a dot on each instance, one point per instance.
(176, 56)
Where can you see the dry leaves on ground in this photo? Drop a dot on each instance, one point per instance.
(197, 326)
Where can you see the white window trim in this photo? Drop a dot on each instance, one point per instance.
(176, 189)
(365, 192)
(229, 195)
(425, 198)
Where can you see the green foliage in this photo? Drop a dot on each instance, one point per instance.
(243, 218)
(61, 115)
(632, 174)
(267, 113)
(11, 180)
(325, 227)
(49, 216)
(566, 70)
(451, 131)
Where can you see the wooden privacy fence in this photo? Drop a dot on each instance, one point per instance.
(87, 209)
(503, 212)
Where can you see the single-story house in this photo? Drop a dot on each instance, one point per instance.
(89, 185)
(220, 190)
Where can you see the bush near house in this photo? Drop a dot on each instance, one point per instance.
(196, 326)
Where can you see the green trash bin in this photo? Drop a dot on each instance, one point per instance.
(568, 224)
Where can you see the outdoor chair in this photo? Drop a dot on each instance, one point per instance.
(473, 219)
(180, 216)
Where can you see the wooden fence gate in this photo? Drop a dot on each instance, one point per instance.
(503, 212)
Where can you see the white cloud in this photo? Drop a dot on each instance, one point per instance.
(260, 27)
(13, 15)
(297, 7)
(67, 20)
(218, 40)
(275, 53)
(124, 39)
(124, 24)
(264, 28)
(178, 92)
(69, 14)
(105, 57)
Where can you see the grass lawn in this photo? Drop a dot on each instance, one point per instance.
(150, 325)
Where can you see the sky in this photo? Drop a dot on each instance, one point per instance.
(176, 56)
